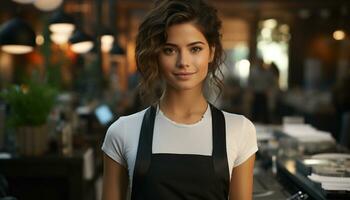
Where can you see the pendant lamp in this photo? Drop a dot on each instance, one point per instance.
(61, 26)
(107, 39)
(81, 42)
(17, 37)
(47, 5)
(60, 22)
(24, 1)
(107, 43)
(59, 39)
(117, 50)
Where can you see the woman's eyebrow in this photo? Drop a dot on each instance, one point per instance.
(194, 43)
(190, 44)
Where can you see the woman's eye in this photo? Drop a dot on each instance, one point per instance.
(196, 49)
(168, 51)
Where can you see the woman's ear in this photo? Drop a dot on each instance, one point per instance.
(212, 54)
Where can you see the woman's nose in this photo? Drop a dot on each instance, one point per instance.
(183, 59)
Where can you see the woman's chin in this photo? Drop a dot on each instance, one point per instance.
(183, 87)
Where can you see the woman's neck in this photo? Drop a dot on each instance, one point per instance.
(183, 106)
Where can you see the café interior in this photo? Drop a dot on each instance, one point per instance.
(68, 71)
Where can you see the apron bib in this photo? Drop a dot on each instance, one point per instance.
(166, 176)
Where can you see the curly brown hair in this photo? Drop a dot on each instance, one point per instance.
(152, 35)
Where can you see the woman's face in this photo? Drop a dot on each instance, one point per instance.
(184, 58)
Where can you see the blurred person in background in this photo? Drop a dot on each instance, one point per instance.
(341, 101)
(274, 94)
(261, 82)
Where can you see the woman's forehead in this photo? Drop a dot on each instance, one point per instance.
(184, 33)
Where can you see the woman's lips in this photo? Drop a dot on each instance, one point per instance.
(184, 75)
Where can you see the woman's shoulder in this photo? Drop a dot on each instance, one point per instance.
(131, 120)
(233, 117)
(239, 121)
(134, 116)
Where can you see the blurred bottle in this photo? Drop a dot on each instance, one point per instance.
(65, 138)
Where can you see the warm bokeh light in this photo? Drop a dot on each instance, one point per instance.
(24, 1)
(39, 40)
(243, 67)
(106, 47)
(17, 49)
(266, 33)
(273, 45)
(284, 28)
(107, 43)
(59, 38)
(339, 35)
(107, 39)
(270, 23)
(47, 5)
(82, 47)
(64, 28)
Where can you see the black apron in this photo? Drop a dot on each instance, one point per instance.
(181, 176)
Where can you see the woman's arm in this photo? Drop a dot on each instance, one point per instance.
(241, 187)
(115, 180)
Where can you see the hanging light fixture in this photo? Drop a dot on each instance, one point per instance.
(107, 40)
(59, 39)
(62, 23)
(107, 43)
(117, 50)
(47, 5)
(17, 37)
(61, 26)
(24, 1)
(81, 42)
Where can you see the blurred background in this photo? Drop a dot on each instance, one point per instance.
(67, 71)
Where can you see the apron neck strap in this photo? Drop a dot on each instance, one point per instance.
(144, 149)
(219, 145)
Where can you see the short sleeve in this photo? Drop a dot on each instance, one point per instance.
(247, 144)
(113, 144)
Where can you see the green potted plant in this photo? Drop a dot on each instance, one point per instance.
(30, 106)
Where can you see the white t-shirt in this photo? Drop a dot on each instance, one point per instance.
(122, 138)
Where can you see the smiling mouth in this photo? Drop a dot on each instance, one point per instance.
(184, 75)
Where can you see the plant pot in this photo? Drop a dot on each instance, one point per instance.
(32, 140)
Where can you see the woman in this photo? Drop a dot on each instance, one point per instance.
(181, 147)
